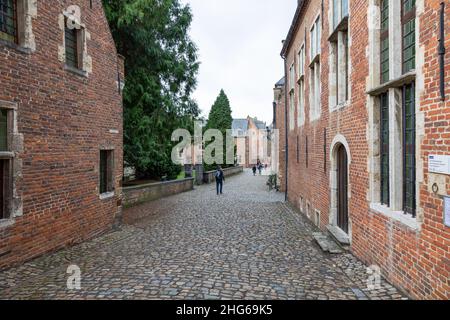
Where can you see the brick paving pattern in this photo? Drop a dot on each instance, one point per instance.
(246, 244)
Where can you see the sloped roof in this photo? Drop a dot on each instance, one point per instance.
(260, 124)
(294, 24)
(240, 124)
(280, 83)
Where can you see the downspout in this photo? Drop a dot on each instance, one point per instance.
(441, 52)
(286, 129)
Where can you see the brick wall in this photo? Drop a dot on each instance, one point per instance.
(64, 119)
(414, 258)
(208, 177)
(135, 195)
(280, 126)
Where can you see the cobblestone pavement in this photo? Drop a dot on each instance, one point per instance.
(245, 244)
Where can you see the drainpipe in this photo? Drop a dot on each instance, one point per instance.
(274, 114)
(441, 52)
(286, 128)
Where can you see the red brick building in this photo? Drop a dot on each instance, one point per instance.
(60, 126)
(279, 124)
(368, 109)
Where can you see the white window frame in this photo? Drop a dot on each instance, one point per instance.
(315, 38)
(339, 10)
(292, 77)
(301, 61)
(315, 69)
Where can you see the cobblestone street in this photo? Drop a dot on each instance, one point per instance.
(245, 244)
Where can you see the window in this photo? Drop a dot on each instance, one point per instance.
(314, 79)
(298, 150)
(3, 130)
(384, 148)
(5, 163)
(292, 97)
(8, 20)
(396, 142)
(409, 35)
(384, 41)
(291, 78)
(409, 150)
(301, 62)
(301, 87)
(106, 171)
(345, 62)
(314, 91)
(315, 38)
(301, 102)
(71, 45)
(340, 59)
(340, 11)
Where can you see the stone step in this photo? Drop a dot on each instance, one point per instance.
(327, 244)
(340, 236)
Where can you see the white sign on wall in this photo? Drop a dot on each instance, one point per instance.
(439, 164)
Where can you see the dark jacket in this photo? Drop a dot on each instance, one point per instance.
(220, 177)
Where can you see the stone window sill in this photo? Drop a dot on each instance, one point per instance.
(15, 46)
(6, 155)
(5, 223)
(342, 26)
(339, 106)
(300, 79)
(395, 83)
(107, 195)
(399, 216)
(314, 118)
(314, 59)
(76, 71)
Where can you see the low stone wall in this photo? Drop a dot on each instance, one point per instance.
(135, 195)
(208, 177)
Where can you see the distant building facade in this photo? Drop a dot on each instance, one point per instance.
(251, 140)
(60, 126)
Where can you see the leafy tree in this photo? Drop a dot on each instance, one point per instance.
(161, 67)
(220, 118)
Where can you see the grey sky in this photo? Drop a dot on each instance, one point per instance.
(239, 45)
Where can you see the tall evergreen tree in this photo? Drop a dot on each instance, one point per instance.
(220, 115)
(161, 68)
(220, 118)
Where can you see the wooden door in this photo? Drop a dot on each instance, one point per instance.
(342, 189)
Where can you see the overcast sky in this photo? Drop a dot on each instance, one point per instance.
(239, 45)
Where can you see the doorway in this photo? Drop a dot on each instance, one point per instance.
(342, 190)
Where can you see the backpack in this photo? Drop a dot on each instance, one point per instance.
(218, 174)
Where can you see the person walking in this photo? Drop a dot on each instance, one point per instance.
(254, 170)
(220, 179)
(260, 169)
